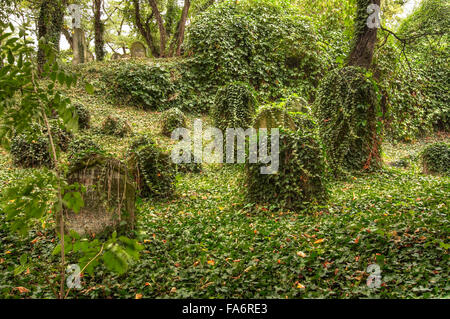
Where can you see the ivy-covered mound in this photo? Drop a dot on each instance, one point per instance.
(115, 125)
(148, 86)
(31, 148)
(301, 176)
(81, 148)
(436, 159)
(84, 117)
(266, 43)
(234, 106)
(151, 167)
(172, 119)
(346, 108)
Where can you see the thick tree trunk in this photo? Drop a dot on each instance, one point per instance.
(49, 25)
(98, 28)
(365, 38)
(182, 26)
(144, 30)
(162, 29)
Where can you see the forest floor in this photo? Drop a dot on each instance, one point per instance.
(207, 242)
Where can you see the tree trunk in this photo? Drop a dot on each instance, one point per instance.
(49, 25)
(162, 29)
(144, 30)
(364, 38)
(68, 37)
(182, 25)
(98, 29)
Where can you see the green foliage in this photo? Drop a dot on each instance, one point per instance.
(117, 254)
(152, 167)
(295, 103)
(436, 159)
(347, 109)
(416, 89)
(234, 106)
(31, 149)
(266, 43)
(23, 99)
(300, 180)
(84, 116)
(272, 116)
(430, 17)
(28, 199)
(116, 126)
(145, 85)
(82, 148)
(172, 119)
(61, 137)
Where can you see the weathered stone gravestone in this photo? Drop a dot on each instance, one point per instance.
(272, 117)
(138, 50)
(109, 200)
(116, 56)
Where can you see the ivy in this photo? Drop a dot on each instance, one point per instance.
(347, 108)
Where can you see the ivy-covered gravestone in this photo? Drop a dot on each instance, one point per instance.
(273, 116)
(109, 197)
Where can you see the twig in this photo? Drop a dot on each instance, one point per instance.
(84, 268)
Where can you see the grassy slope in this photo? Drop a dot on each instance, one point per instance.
(207, 242)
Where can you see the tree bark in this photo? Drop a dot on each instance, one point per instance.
(162, 29)
(68, 37)
(49, 25)
(144, 30)
(364, 38)
(182, 26)
(98, 29)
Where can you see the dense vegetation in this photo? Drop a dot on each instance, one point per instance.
(364, 150)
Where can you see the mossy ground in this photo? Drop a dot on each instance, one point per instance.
(207, 241)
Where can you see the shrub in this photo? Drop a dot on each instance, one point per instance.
(234, 106)
(114, 125)
(60, 135)
(172, 119)
(300, 179)
(31, 149)
(436, 159)
(266, 43)
(147, 85)
(83, 147)
(152, 167)
(346, 109)
(191, 167)
(84, 117)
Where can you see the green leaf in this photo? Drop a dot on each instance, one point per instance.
(89, 88)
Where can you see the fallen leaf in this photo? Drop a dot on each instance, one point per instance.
(22, 289)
